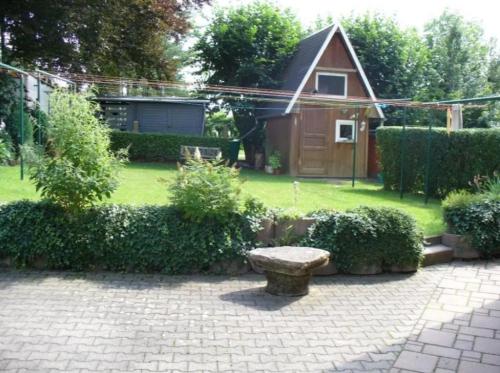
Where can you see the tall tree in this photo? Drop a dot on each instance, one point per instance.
(460, 64)
(247, 46)
(459, 57)
(112, 37)
(393, 58)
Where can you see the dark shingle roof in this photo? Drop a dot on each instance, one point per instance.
(301, 61)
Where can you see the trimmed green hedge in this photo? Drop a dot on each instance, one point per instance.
(456, 157)
(384, 237)
(152, 147)
(118, 238)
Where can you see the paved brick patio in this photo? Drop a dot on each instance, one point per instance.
(443, 319)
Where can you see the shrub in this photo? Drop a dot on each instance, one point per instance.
(5, 151)
(476, 216)
(206, 189)
(455, 157)
(348, 237)
(365, 236)
(149, 147)
(118, 238)
(79, 169)
(398, 238)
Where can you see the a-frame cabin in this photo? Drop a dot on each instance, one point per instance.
(317, 140)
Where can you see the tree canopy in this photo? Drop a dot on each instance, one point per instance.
(117, 37)
(248, 46)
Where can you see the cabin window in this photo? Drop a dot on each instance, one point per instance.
(344, 130)
(332, 84)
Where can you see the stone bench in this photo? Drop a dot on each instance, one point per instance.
(288, 269)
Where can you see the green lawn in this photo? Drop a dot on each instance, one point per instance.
(141, 184)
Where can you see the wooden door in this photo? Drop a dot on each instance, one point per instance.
(314, 143)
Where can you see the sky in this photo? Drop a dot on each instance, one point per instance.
(408, 13)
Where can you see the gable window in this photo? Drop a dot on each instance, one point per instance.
(332, 84)
(344, 130)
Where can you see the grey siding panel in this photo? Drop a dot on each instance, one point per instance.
(152, 117)
(170, 118)
(185, 119)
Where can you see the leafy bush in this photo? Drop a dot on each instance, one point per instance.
(79, 168)
(275, 160)
(118, 238)
(348, 237)
(5, 151)
(205, 189)
(398, 238)
(365, 236)
(149, 147)
(476, 216)
(456, 157)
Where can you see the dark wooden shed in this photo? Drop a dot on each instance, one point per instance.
(154, 114)
(315, 140)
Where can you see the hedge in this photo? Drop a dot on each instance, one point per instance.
(456, 157)
(152, 147)
(118, 238)
(384, 237)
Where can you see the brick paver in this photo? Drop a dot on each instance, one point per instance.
(443, 319)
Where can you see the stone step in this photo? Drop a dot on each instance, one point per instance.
(432, 240)
(436, 254)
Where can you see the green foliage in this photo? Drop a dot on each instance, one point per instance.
(476, 216)
(99, 37)
(13, 126)
(398, 238)
(148, 147)
(220, 124)
(118, 238)
(206, 190)
(249, 46)
(479, 220)
(275, 160)
(365, 236)
(5, 151)
(8, 95)
(80, 168)
(460, 199)
(394, 59)
(456, 157)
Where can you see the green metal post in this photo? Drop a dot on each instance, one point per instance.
(355, 139)
(402, 154)
(21, 121)
(39, 107)
(428, 161)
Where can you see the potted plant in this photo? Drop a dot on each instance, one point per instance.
(274, 163)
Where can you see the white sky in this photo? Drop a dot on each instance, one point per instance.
(408, 13)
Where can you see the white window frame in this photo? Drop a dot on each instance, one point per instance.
(340, 122)
(332, 74)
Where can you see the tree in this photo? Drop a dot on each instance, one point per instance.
(116, 37)
(247, 46)
(394, 59)
(461, 65)
(79, 168)
(458, 57)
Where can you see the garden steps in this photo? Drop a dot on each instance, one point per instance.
(437, 253)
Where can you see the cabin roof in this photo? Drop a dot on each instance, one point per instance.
(303, 63)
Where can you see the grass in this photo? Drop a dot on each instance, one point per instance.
(141, 184)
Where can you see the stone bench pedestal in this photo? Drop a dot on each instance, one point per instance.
(288, 269)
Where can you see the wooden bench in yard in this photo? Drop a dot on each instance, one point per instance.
(205, 152)
(288, 269)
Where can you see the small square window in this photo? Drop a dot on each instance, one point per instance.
(344, 131)
(331, 84)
